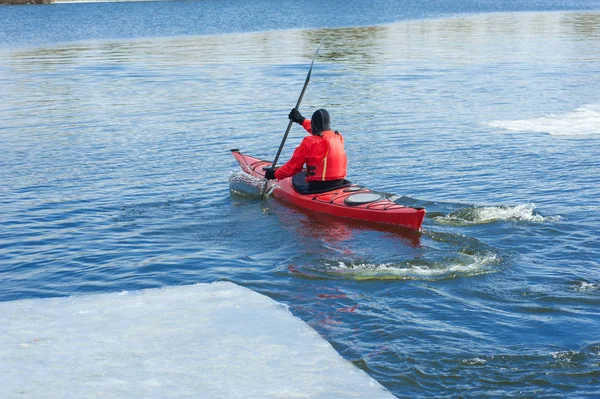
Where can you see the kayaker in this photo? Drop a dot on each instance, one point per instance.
(322, 152)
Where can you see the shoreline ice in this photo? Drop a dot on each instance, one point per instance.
(215, 340)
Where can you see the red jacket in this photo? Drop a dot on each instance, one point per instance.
(323, 155)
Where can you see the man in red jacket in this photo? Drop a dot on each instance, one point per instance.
(322, 152)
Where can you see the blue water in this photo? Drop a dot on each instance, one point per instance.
(115, 125)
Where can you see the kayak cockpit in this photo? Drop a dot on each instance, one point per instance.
(301, 186)
(352, 195)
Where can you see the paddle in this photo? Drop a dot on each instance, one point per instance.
(287, 131)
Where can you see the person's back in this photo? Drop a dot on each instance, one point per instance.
(322, 152)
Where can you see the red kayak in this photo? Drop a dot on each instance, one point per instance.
(349, 201)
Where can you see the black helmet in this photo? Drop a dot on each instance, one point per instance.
(319, 121)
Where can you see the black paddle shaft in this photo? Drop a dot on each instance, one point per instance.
(287, 131)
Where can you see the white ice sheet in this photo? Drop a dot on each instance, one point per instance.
(201, 341)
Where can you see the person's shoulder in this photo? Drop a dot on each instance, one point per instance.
(312, 138)
(332, 133)
(309, 141)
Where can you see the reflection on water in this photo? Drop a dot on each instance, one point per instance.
(357, 45)
(331, 229)
(587, 26)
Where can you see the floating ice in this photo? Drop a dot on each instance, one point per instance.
(203, 341)
(584, 120)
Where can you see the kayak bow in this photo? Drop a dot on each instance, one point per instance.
(350, 201)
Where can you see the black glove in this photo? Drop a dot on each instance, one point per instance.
(296, 116)
(269, 173)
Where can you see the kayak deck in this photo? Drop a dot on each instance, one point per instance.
(349, 201)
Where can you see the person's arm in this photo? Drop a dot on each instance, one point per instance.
(296, 116)
(296, 163)
(307, 126)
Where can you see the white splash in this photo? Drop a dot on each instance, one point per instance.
(470, 266)
(242, 183)
(523, 212)
(489, 214)
(587, 287)
(476, 361)
(564, 356)
(582, 121)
